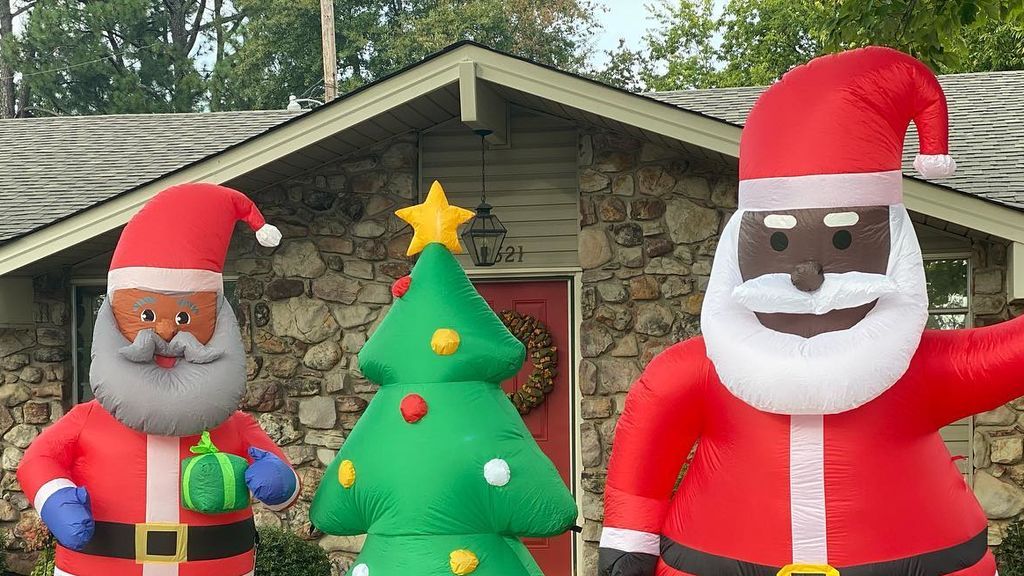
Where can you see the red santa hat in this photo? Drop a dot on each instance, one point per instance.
(830, 133)
(179, 240)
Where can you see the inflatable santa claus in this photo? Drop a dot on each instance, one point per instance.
(153, 477)
(815, 395)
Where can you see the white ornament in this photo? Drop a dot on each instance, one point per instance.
(360, 570)
(496, 472)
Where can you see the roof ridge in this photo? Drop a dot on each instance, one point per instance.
(75, 117)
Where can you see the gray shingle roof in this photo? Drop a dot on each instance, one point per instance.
(986, 114)
(51, 168)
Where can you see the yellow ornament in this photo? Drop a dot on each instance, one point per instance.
(444, 342)
(347, 474)
(435, 221)
(463, 562)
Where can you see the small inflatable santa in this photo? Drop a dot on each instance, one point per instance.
(118, 480)
(815, 395)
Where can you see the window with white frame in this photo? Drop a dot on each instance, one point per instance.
(949, 307)
(87, 297)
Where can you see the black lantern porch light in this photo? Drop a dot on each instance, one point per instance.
(485, 233)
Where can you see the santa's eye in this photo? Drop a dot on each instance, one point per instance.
(779, 241)
(842, 239)
(147, 315)
(182, 318)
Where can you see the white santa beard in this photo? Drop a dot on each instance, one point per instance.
(829, 373)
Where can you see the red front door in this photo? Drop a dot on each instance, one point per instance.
(551, 422)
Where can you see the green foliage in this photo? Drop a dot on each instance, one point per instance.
(754, 42)
(1010, 554)
(276, 53)
(116, 56)
(282, 553)
(44, 564)
(137, 56)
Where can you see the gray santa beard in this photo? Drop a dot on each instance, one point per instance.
(183, 400)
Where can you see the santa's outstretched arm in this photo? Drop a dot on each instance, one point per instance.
(655, 433)
(965, 372)
(45, 474)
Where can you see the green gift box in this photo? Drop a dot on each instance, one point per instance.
(213, 482)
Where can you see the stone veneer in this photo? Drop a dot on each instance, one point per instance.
(36, 371)
(308, 305)
(650, 220)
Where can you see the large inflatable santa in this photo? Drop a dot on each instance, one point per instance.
(815, 395)
(153, 477)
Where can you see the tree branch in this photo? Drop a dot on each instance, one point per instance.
(194, 33)
(19, 11)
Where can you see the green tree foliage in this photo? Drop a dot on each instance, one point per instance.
(753, 42)
(131, 56)
(116, 56)
(277, 52)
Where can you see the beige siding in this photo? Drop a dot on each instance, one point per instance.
(532, 184)
(957, 436)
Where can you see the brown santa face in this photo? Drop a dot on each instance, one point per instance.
(807, 244)
(166, 314)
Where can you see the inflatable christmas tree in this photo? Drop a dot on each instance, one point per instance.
(440, 472)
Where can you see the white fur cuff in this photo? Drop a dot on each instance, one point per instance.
(935, 165)
(625, 540)
(47, 490)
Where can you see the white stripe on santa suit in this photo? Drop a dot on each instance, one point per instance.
(163, 470)
(807, 489)
(59, 572)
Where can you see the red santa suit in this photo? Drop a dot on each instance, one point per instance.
(872, 491)
(815, 455)
(134, 482)
(130, 465)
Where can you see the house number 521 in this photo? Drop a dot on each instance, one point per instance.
(511, 254)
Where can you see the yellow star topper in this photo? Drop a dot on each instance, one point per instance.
(435, 221)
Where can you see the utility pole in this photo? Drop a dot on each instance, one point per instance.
(330, 52)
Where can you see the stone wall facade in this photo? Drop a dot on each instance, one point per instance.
(650, 220)
(308, 305)
(35, 369)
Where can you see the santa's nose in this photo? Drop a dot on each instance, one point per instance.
(807, 276)
(166, 329)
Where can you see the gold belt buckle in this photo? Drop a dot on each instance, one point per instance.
(808, 569)
(142, 533)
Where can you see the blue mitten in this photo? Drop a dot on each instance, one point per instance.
(69, 517)
(271, 479)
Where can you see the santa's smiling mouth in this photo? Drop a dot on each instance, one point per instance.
(808, 325)
(165, 361)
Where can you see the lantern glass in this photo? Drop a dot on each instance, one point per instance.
(484, 236)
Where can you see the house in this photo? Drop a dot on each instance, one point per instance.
(613, 203)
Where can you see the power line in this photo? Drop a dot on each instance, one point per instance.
(80, 64)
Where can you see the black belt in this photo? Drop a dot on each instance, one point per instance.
(938, 563)
(168, 542)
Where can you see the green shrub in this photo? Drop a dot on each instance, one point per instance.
(44, 564)
(1010, 554)
(282, 553)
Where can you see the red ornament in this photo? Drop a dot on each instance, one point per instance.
(413, 407)
(401, 286)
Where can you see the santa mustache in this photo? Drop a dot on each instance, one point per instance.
(775, 293)
(148, 344)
